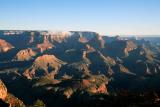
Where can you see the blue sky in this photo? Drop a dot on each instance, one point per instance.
(137, 17)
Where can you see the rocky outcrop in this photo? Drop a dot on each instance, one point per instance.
(89, 49)
(32, 37)
(45, 61)
(46, 64)
(14, 101)
(83, 65)
(147, 53)
(45, 45)
(8, 98)
(95, 84)
(84, 56)
(130, 45)
(66, 77)
(97, 42)
(25, 55)
(82, 39)
(125, 70)
(110, 72)
(68, 92)
(121, 48)
(3, 91)
(102, 42)
(5, 46)
(108, 60)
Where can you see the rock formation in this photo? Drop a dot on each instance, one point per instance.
(5, 46)
(59, 36)
(45, 45)
(25, 55)
(32, 37)
(9, 98)
(48, 64)
(3, 91)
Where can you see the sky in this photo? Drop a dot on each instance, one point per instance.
(110, 17)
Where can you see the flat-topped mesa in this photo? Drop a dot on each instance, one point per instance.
(59, 36)
(5, 46)
(25, 55)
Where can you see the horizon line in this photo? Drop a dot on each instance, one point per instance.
(123, 35)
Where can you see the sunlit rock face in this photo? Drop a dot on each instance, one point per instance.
(43, 62)
(59, 36)
(82, 38)
(3, 91)
(95, 84)
(25, 55)
(5, 46)
(8, 98)
(48, 64)
(130, 45)
(108, 60)
(45, 45)
(102, 42)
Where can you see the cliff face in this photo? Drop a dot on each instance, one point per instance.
(82, 39)
(3, 91)
(5, 46)
(45, 45)
(121, 48)
(59, 36)
(9, 98)
(108, 60)
(129, 47)
(32, 37)
(97, 42)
